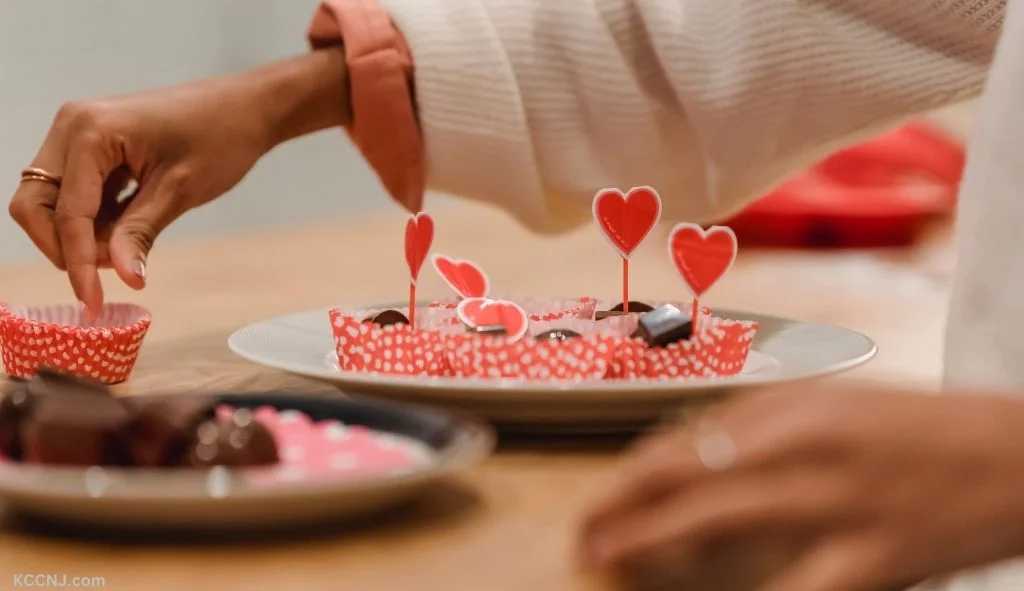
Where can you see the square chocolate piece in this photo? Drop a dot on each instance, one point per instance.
(664, 326)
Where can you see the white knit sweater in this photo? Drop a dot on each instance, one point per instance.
(533, 105)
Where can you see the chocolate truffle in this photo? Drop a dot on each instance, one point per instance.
(558, 334)
(74, 425)
(237, 442)
(15, 410)
(664, 326)
(162, 428)
(387, 318)
(634, 307)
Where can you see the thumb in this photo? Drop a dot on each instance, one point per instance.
(135, 231)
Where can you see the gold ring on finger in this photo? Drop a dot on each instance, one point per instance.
(33, 173)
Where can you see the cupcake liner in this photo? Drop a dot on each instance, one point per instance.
(311, 450)
(606, 349)
(547, 309)
(473, 356)
(427, 317)
(622, 326)
(396, 349)
(55, 337)
(537, 309)
(684, 306)
(720, 349)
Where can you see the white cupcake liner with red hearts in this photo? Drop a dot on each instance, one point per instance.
(56, 337)
(605, 351)
(602, 305)
(427, 317)
(537, 309)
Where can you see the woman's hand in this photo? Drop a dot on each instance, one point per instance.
(183, 146)
(817, 490)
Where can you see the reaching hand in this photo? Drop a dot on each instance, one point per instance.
(812, 490)
(182, 146)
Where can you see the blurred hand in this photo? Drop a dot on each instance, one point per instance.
(818, 490)
(183, 146)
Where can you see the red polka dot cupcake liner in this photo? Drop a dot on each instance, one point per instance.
(587, 358)
(395, 349)
(605, 349)
(720, 349)
(55, 337)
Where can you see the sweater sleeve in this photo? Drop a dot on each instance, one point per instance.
(533, 105)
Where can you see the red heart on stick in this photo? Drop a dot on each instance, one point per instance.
(626, 219)
(475, 312)
(419, 235)
(701, 256)
(468, 280)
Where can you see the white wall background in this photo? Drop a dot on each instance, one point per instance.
(52, 51)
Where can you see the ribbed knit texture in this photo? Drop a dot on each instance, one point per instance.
(533, 105)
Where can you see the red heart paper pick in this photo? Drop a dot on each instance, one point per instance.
(701, 256)
(476, 312)
(419, 235)
(626, 219)
(468, 280)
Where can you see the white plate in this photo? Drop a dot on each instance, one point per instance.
(233, 500)
(784, 350)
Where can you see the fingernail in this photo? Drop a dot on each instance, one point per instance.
(139, 268)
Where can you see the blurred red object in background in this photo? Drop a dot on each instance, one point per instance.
(875, 194)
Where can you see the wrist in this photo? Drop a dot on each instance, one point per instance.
(302, 95)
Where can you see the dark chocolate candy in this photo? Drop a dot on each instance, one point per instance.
(558, 334)
(388, 317)
(162, 427)
(74, 426)
(634, 307)
(240, 441)
(664, 326)
(602, 314)
(15, 410)
(494, 330)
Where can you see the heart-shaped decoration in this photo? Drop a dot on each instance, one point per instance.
(476, 312)
(627, 218)
(419, 235)
(701, 256)
(467, 279)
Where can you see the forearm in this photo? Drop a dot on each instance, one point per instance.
(301, 95)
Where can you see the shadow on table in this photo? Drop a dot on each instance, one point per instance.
(443, 505)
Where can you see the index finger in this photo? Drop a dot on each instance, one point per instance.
(74, 216)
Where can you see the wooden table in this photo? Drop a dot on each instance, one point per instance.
(507, 525)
